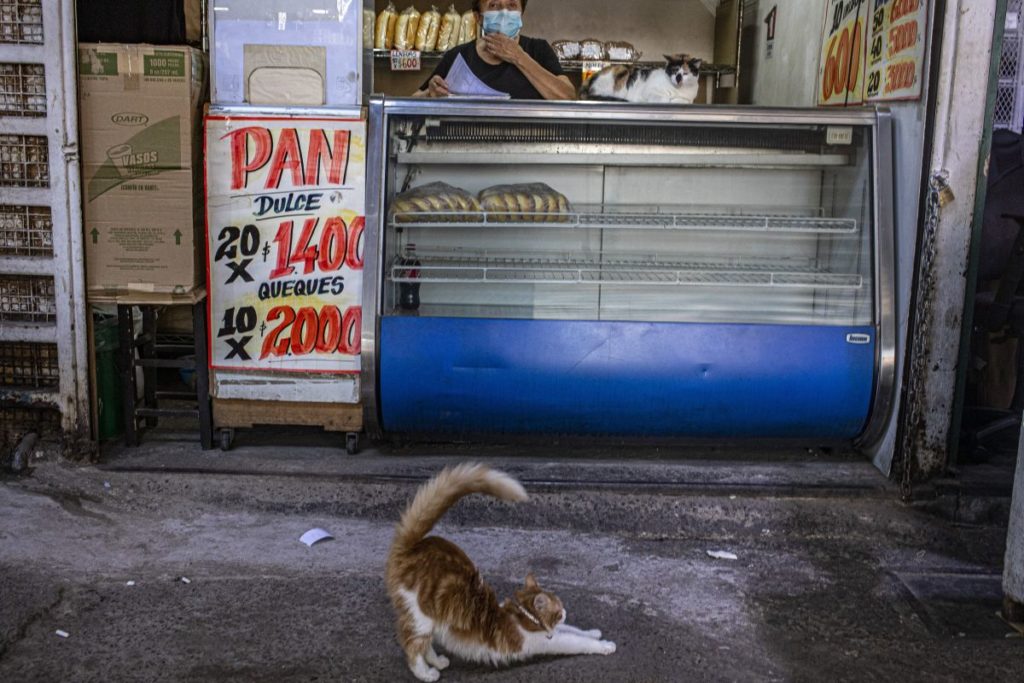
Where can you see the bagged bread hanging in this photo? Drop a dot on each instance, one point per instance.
(369, 24)
(467, 27)
(406, 27)
(426, 36)
(448, 36)
(384, 33)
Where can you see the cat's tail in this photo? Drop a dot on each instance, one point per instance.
(440, 493)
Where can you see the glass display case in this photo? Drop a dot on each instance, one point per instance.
(582, 268)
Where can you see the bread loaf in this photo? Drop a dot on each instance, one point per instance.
(406, 27)
(369, 24)
(566, 49)
(426, 36)
(448, 35)
(525, 203)
(467, 28)
(384, 32)
(591, 49)
(435, 203)
(621, 51)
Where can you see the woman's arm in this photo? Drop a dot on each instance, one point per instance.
(550, 86)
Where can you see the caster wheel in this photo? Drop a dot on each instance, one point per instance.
(225, 438)
(352, 443)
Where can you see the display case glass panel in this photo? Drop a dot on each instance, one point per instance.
(658, 221)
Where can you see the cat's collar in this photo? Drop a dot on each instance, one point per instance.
(525, 612)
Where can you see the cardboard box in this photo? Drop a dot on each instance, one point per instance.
(141, 119)
(294, 53)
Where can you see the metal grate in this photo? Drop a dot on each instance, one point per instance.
(26, 231)
(486, 269)
(1010, 57)
(28, 366)
(17, 421)
(27, 298)
(22, 90)
(1009, 104)
(462, 131)
(24, 161)
(21, 21)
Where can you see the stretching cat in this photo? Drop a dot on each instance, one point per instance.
(438, 594)
(676, 83)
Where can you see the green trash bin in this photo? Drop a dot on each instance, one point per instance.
(108, 381)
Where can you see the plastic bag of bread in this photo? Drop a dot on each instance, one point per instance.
(384, 31)
(405, 28)
(369, 23)
(467, 28)
(430, 26)
(525, 203)
(621, 51)
(591, 49)
(448, 36)
(436, 203)
(566, 49)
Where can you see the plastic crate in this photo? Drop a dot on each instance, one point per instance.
(24, 161)
(27, 299)
(26, 230)
(21, 21)
(27, 366)
(22, 90)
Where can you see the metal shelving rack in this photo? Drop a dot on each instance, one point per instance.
(43, 380)
(1009, 109)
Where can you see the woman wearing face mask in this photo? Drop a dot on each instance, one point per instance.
(525, 68)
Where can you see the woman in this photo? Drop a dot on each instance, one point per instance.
(525, 68)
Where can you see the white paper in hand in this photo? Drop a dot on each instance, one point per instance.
(462, 82)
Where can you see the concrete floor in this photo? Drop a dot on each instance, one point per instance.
(836, 579)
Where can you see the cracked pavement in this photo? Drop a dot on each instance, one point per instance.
(876, 592)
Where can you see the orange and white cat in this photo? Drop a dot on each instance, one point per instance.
(439, 596)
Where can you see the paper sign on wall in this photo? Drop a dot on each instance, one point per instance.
(896, 49)
(841, 72)
(285, 220)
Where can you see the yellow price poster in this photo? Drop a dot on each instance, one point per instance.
(896, 49)
(841, 72)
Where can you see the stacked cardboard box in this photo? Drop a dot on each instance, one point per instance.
(141, 114)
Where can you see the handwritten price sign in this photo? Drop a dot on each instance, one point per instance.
(285, 205)
(841, 67)
(405, 60)
(896, 52)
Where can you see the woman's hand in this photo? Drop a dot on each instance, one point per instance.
(437, 87)
(504, 48)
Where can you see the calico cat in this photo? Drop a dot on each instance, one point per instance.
(439, 595)
(676, 83)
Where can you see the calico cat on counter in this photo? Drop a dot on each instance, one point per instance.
(676, 83)
(439, 595)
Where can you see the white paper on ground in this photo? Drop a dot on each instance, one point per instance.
(722, 555)
(463, 82)
(314, 536)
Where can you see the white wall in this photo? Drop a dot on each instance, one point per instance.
(655, 27)
(787, 79)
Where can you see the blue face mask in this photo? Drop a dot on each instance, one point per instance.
(509, 22)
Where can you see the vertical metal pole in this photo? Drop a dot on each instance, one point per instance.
(1013, 571)
(148, 350)
(126, 367)
(202, 374)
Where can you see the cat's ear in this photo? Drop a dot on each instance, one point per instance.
(531, 582)
(541, 602)
(696, 63)
(668, 58)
